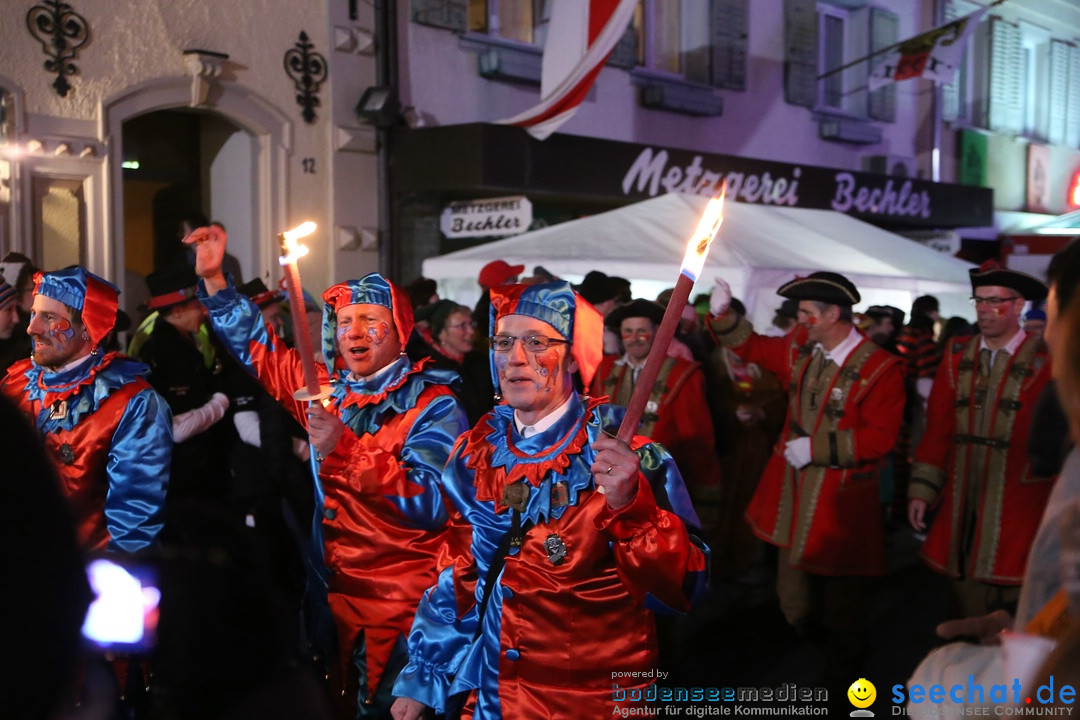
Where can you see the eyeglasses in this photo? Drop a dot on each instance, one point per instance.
(532, 343)
(463, 325)
(993, 301)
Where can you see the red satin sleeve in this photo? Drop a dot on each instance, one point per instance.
(653, 552)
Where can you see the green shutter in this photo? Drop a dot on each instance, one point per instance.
(449, 14)
(728, 19)
(800, 52)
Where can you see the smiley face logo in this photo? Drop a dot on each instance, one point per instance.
(862, 693)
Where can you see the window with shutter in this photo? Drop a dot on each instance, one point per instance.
(1072, 122)
(1005, 111)
(884, 31)
(1035, 83)
(1058, 111)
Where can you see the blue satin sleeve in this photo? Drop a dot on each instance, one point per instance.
(446, 620)
(240, 327)
(139, 459)
(425, 452)
(438, 642)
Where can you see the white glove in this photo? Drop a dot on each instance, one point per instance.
(193, 422)
(720, 300)
(797, 452)
(247, 427)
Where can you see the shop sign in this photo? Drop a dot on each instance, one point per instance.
(487, 217)
(861, 193)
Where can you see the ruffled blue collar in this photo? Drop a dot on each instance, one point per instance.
(366, 403)
(91, 382)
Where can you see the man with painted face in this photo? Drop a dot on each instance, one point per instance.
(381, 442)
(107, 430)
(818, 497)
(564, 539)
(972, 463)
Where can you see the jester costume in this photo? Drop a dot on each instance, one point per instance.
(537, 630)
(106, 429)
(382, 515)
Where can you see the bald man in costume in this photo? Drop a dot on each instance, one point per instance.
(381, 440)
(566, 540)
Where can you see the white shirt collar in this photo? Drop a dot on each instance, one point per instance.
(543, 423)
(353, 377)
(839, 353)
(1010, 347)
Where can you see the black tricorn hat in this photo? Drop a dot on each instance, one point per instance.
(826, 287)
(885, 311)
(635, 308)
(789, 309)
(596, 287)
(168, 287)
(258, 292)
(992, 274)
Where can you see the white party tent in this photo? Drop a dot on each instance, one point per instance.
(759, 248)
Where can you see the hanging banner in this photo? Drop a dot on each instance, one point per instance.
(488, 217)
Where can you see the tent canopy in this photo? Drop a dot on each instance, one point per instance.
(758, 248)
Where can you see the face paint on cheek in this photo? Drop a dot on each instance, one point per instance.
(501, 360)
(377, 334)
(62, 331)
(546, 366)
(811, 321)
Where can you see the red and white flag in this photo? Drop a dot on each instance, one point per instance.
(581, 35)
(935, 54)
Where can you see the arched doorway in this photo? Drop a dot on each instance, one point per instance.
(227, 162)
(178, 165)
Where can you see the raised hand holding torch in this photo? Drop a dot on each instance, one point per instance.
(616, 465)
(697, 249)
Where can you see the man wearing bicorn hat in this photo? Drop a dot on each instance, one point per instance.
(971, 463)
(565, 539)
(106, 429)
(676, 415)
(818, 497)
(382, 440)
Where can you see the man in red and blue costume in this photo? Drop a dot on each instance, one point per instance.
(381, 440)
(564, 540)
(107, 430)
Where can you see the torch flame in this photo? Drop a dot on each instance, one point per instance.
(291, 249)
(698, 246)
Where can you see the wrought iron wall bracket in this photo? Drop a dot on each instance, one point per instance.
(307, 70)
(61, 32)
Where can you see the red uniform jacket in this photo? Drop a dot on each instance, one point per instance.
(981, 440)
(680, 420)
(829, 512)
